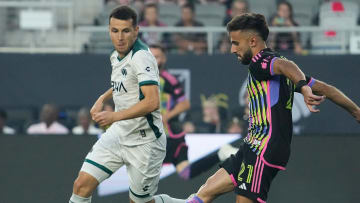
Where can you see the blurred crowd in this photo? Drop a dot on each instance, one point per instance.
(213, 117)
(149, 12)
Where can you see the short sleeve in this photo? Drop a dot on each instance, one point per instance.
(173, 87)
(146, 68)
(262, 66)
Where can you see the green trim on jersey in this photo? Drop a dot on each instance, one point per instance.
(150, 119)
(119, 59)
(148, 82)
(139, 196)
(106, 170)
(139, 45)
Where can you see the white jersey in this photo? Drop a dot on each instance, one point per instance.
(137, 68)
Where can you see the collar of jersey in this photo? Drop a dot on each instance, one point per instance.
(137, 41)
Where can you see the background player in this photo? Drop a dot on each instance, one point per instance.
(272, 81)
(136, 137)
(173, 103)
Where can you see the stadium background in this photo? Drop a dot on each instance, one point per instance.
(67, 63)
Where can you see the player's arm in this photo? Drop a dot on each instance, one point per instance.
(98, 106)
(338, 97)
(147, 105)
(293, 72)
(178, 109)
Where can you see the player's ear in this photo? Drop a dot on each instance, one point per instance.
(252, 41)
(137, 30)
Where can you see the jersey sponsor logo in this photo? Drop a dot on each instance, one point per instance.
(243, 186)
(124, 72)
(117, 86)
(147, 69)
(146, 188)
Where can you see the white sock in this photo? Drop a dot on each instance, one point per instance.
(163, 198)
(77, 199)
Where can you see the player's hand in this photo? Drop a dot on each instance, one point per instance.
(96, 108)
(104, 118)
(164, 118)
(310, 99)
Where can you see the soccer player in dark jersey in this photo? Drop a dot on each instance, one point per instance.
(173, 102)
(272, 81)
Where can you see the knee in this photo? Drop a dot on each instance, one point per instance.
(206, 192)
(81, 187)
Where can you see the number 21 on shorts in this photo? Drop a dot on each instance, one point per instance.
(249, 168)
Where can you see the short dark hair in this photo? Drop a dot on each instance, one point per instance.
(151, 5)
(190, 6)
(158, 46)
(249, 21)
(124, 13)
(288, 4)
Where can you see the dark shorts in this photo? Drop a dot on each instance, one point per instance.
(176, 150)
(251, 177)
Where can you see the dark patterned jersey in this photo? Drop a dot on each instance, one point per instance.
(270, 101)
(171, 93)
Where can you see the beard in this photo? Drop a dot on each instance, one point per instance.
(246, 59)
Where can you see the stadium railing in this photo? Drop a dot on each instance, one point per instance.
(335, 40)
(66, 36)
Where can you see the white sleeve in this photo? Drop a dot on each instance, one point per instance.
(146, 68)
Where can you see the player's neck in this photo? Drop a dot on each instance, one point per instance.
(258, 48)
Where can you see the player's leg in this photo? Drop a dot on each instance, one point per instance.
(145, 163)
(84, 185)
(221, 182)
(177, 153)
(254, 178)
(242, 199)
(99, 164)
(216, 185)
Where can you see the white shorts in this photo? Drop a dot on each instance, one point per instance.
(143, 165)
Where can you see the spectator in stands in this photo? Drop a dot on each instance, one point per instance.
(178, 2)
(211, 118)
(85, 127)
(235, 126)
(189, 127)
(109, 5)
(48, 125)
(192, 42)
(151, 20)
(285, 41)
(238, 7)
(213, 1)
(3, 128)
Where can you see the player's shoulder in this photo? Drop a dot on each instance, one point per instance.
(140, 50)
(113, 55)
(168, 77)
(264, 57)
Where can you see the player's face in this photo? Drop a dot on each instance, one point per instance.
(160, 57)
(123, 35)
(240, 46)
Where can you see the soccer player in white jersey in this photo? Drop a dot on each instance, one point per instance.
(136, 137)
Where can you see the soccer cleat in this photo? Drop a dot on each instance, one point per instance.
(225, 151)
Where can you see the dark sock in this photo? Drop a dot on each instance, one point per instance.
(203, 164)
